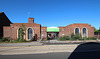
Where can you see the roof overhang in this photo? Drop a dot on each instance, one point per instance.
(53, 29)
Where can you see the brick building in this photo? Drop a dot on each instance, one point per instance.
(32, 30)
(44, 32)
(4, 21)
(77, 28)
(83, 29)
(36, 31)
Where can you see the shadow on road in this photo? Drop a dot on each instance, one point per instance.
(89, 50)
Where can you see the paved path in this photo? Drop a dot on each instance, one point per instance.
(61, 55)
(51, 42)
(37, 49)
(68, 42)
(89, 50)
(20, 44)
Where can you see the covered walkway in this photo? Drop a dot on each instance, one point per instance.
(52, 33)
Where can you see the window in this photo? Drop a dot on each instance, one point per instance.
(77, 31)
(19, 34)
(84, 32)
(30, 33)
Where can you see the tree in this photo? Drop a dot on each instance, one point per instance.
(72, 36)
(77, 36)
(95, 29)
(21, 32)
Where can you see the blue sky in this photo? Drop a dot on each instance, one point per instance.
(53, 12)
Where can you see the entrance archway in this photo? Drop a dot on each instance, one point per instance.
(52, 33)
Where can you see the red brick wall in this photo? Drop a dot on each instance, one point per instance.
(44, 32)
(97, 36)
(15, 27)
(70, 29)
(62, 30)
(38, 30)
(91, 32)
(6, 31)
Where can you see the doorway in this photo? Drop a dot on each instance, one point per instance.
(52, 35)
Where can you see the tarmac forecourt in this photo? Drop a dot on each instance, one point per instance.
(37, 49)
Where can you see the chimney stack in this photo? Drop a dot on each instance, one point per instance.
(30, 20)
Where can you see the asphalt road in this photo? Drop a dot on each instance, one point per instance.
(61, 55)
(89, 50)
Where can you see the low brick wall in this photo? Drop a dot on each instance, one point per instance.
(97, 36)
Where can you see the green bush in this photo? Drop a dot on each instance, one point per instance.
(77, 36)
(87, 38)
(72, 36)
(60, 38)
(5, 39)
(91, 38)
(81, 39)
(18, 40)
(64, 38)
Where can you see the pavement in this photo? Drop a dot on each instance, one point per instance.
(91, 47)
(35, 43)
(58, 55)
(68, 42)
(89, 50)
(37, 49)
(41, 43)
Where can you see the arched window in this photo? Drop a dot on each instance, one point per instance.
(19, 34)
(84, 32)
(30, 33)
(77, 31)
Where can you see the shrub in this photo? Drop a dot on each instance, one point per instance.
(87, 38)
(21, 32)
(22, 41)
(81, 39)
(18, 40)
(72, 36)
(91, 38)
(60, 38)
(64, 38)
(84, 38)
(77, 36)
(5, 39)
